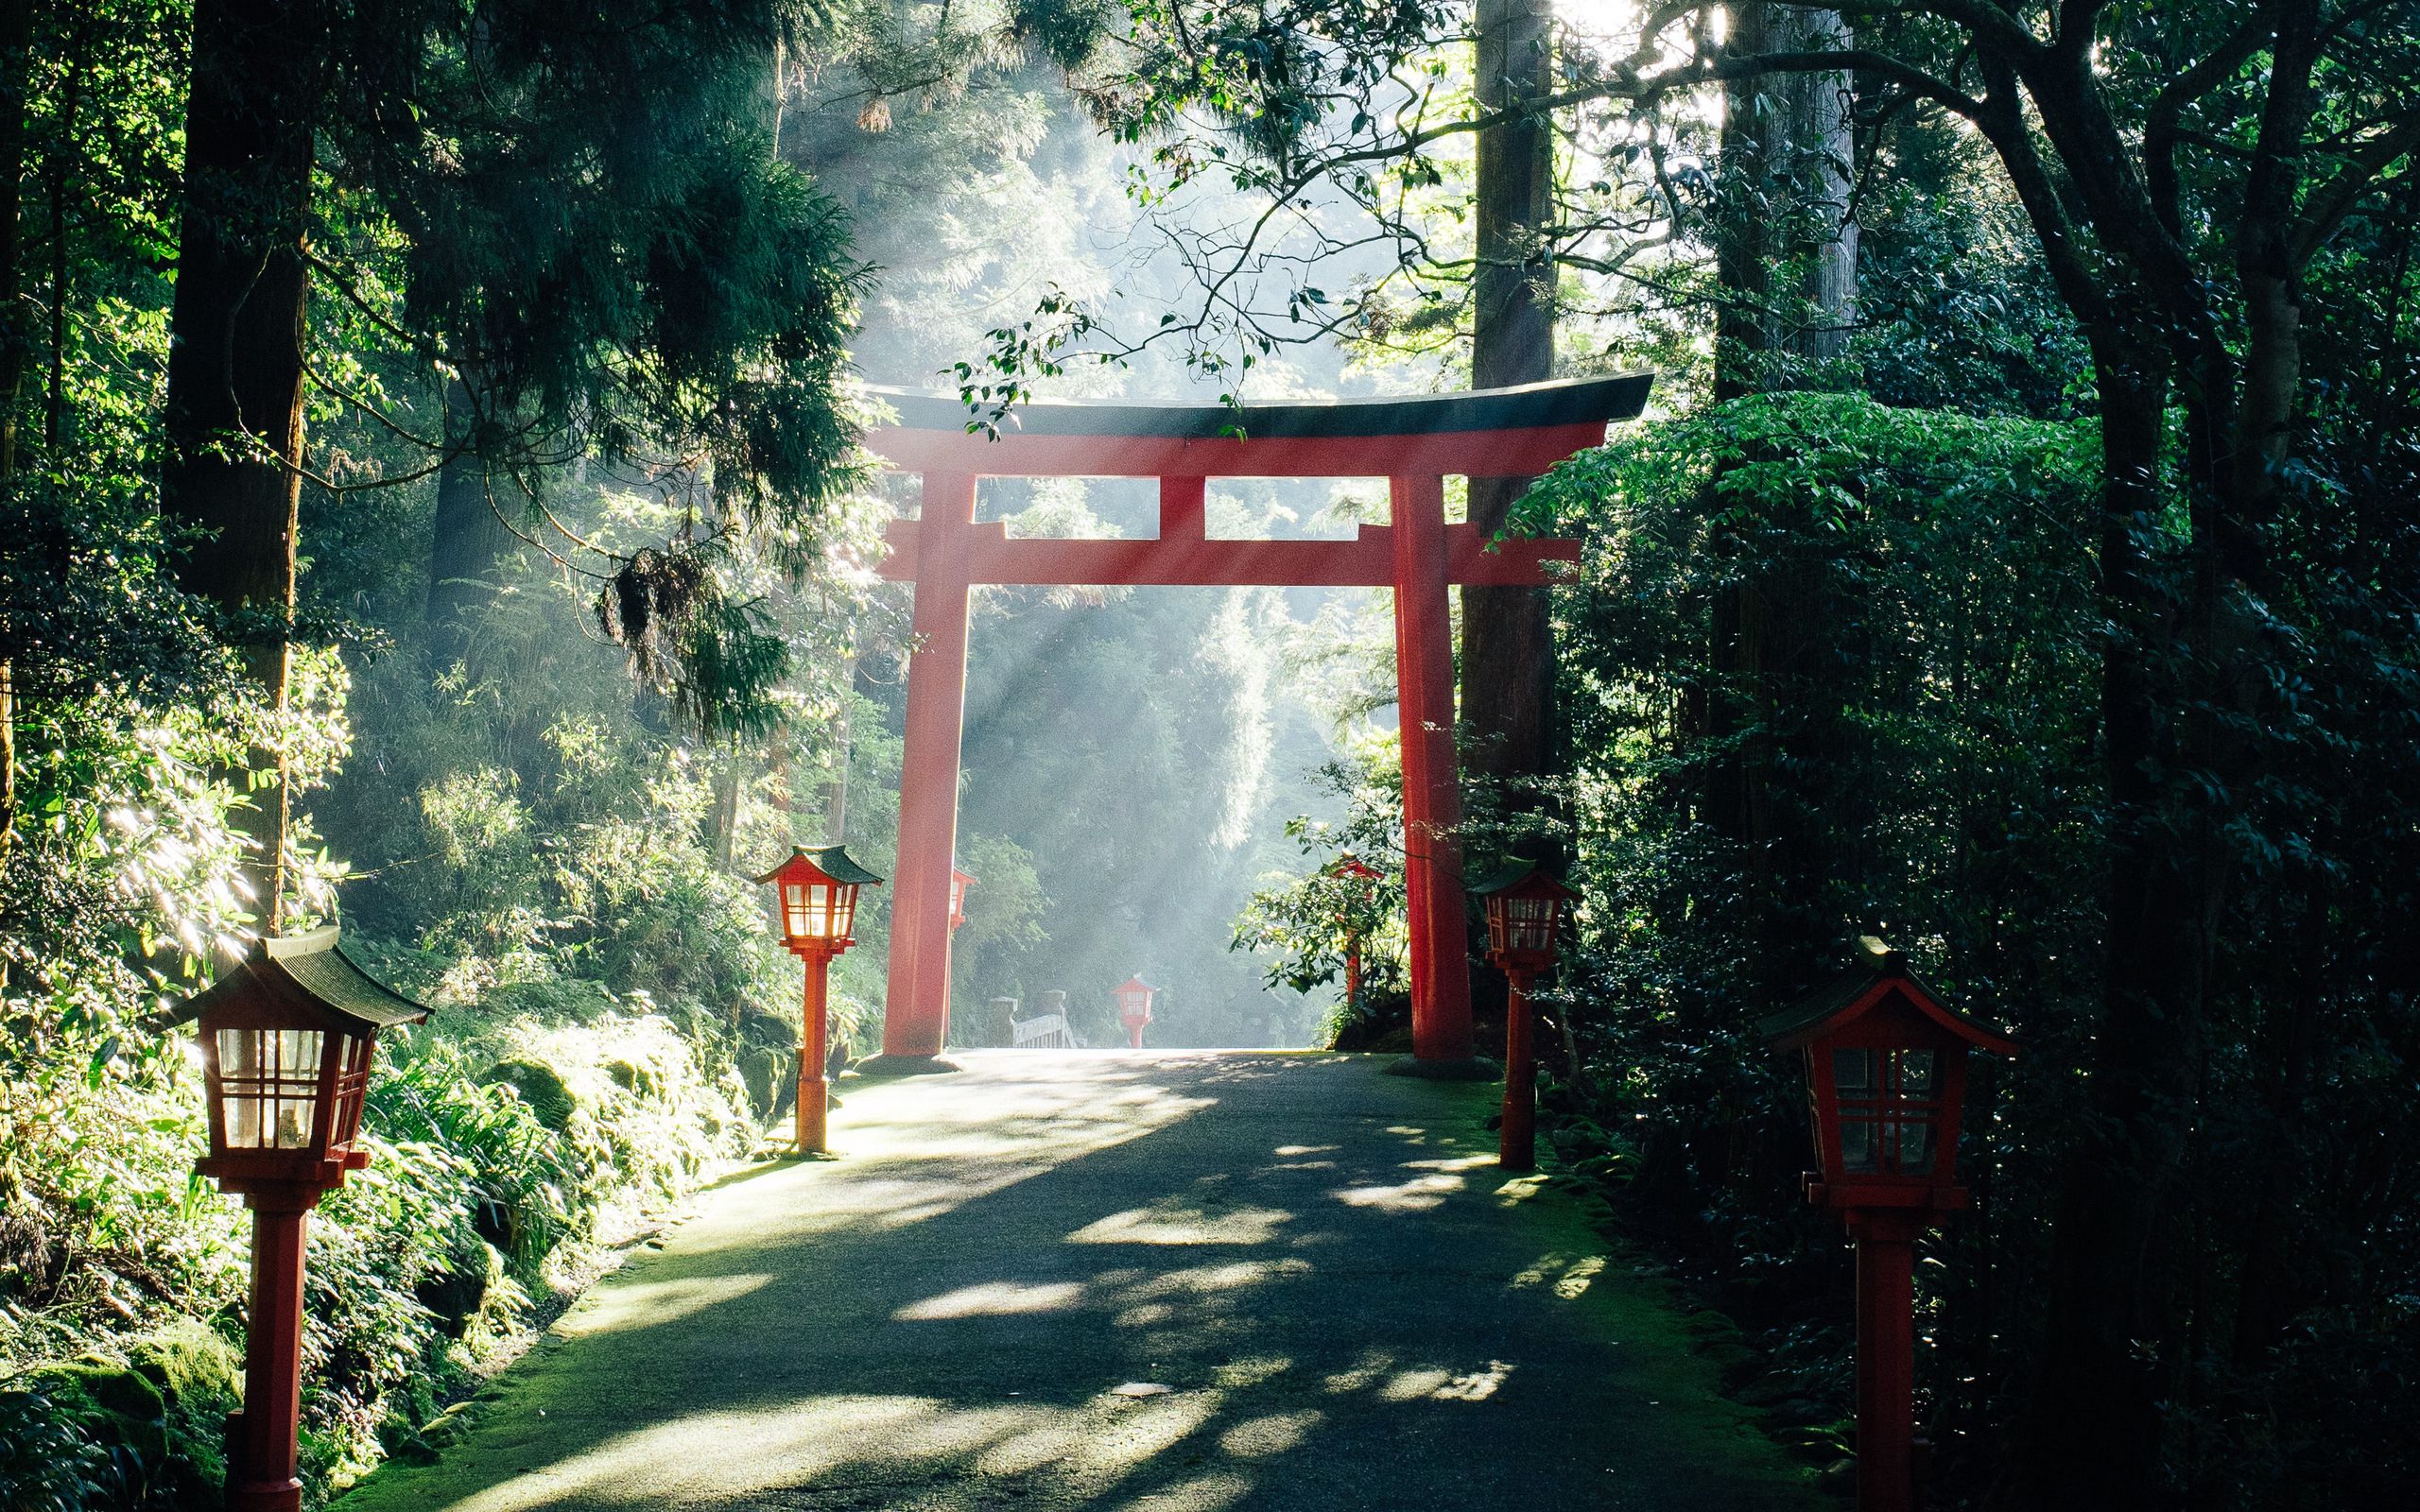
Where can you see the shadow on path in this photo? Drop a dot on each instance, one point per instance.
(1182, 1281)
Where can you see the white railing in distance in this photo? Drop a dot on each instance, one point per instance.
(1049, 1032)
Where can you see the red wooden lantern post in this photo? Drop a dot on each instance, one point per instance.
(286, 1037)
(1351, 867)
(1524, 911)
(1886, 1082)
(816, 891)
(1134, 1006)
(958, 883)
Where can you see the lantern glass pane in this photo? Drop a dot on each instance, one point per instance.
(1915, 1146)
(352, 1084)
(269, 1087)
(1857, 1144)
(1531, 921)
(794, 910)
(817, 916)
(1887, 1108)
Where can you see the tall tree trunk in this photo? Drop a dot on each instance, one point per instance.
(1743, 248)
(2090, 1433)
(2181, 682)
(234, 411)
(836, 793)
(1821, 163)
(16, 56)
(1788, 164)
(1508, 648)
(722, 818)
(470, 540)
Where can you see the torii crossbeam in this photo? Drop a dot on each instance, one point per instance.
(1414, 443)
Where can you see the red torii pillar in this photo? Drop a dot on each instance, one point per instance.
(916, 1004)
(1414, 443)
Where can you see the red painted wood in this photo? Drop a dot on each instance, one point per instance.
(272, 1355)
(1179, 558)
(1516, 1145)
(1014, 454)
(1419, 555)
(916, 1005)
(814, 1054)
(1885, 1359)
(1441, 978)
(1185, 509)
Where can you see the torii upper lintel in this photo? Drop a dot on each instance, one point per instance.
(1412, 442)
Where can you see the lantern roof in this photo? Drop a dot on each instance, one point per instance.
(310, 968)
(1879, 976)
(1524, 876)
(1349, 865)
(1135, 984)
(831, 862)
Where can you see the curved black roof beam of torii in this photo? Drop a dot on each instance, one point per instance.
(1512, 432)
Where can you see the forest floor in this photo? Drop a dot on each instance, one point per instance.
(1184, 1282)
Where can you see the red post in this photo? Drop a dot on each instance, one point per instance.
(1184, 509)
(1885, 1356)
(1135, 1028)
(262, 1478)
(814, 1092)
(1441, 978)
(916, 1003)
(1352, 973)
(1516, 1146)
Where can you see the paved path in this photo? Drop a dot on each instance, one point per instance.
(1157, 1282)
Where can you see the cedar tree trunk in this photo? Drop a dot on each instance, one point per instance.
(234, 411)
(1508, 649)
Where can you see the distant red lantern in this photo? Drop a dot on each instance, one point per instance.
(286, 1038)
(815, 894)
(958, 883)
(1525, 910)
(1135, 1006)
(1886, 1086)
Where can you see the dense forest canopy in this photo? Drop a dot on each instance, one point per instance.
(432, 503)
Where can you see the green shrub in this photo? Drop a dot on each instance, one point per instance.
(48, 1462)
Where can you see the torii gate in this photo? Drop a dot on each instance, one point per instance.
(1412, 442)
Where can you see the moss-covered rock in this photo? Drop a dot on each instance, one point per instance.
(757, 1027)
(761, 1070)
(455, 1292)
(539, 1086)
(188, 1364)
(631, 1078)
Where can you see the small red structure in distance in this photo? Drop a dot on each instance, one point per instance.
(958, 883)
(1134, 1006)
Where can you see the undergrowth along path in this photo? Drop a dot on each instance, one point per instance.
(1184, 1282)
